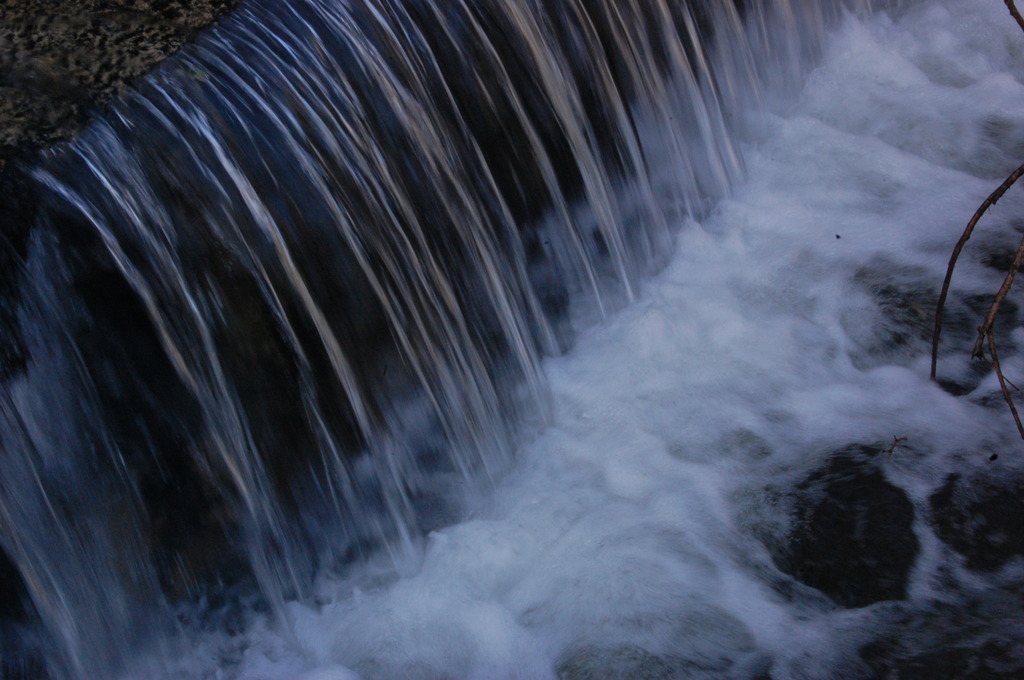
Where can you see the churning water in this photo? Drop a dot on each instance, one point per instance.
(486, 339)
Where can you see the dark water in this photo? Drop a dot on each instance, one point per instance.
(286, 303)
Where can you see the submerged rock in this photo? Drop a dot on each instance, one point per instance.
(703, 641)
(852, 536)
(977, 638)
(624, 662)
(951, 663)
(633, 663)
(981, 517)
(895, 323)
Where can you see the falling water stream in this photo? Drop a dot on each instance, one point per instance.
(482, 338)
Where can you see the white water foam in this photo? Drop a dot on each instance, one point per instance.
(631, 523)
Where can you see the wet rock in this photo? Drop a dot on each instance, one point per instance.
(608, 664)
(981, 517)
(630, 663)
(59, 64)
(852, 536)
(997, 249)
(970, 639)
(951, 663)
(955, 387)
(700, 641)
(20, 663)
(12, 591)
(896, 321)
(17, 207)
(20, 659)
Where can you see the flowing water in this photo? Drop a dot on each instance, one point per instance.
(476, 339)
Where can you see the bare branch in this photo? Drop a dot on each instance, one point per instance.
(986, 332)
(1014, 13)
(994, 362)
(896, 441)
(990, 318)
(940, 307)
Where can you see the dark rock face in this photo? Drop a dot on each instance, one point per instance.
(19, 659)
(982, 518)
(853, 535)
(12, 591)
(60, 62)
(16, 214)
(21, 664)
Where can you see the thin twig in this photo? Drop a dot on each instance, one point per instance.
(994, 362)
(896, 441)
(989, 202)
(1014, 13)
(990, 318)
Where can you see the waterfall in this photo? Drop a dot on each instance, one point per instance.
(285, 304)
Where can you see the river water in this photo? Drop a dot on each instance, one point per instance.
(611, 498)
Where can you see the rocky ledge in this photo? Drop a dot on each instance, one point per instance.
(61, 62)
